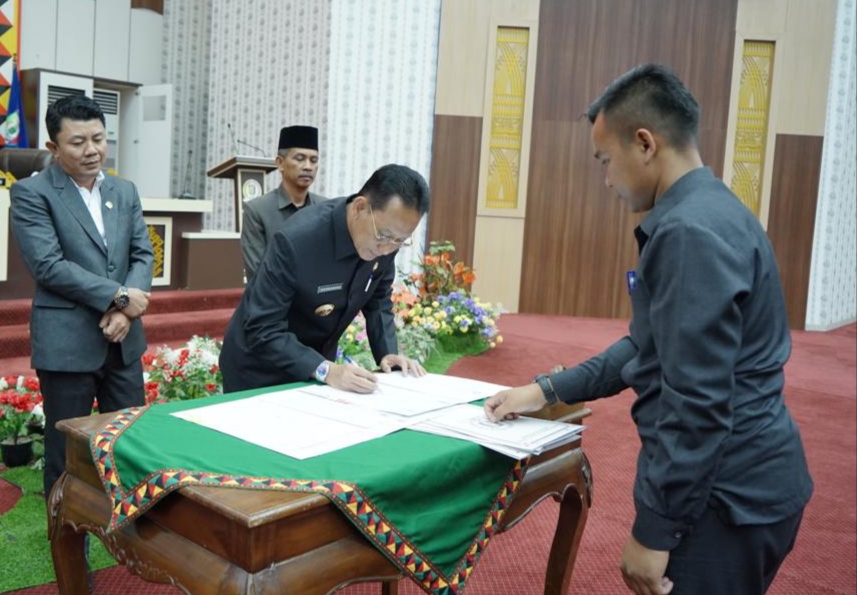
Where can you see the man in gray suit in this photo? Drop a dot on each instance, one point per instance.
(297, 161)
(82, 235)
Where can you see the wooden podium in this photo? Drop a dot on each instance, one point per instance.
(249, 175)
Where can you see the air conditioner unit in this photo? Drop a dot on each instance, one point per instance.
(40, 89)
(109, 102)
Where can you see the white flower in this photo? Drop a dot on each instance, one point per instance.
(38, 415)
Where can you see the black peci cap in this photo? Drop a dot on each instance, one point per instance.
(305, 137)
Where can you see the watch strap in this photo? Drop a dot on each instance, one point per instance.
(544, 382)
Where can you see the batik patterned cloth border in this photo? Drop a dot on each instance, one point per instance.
(347, 497)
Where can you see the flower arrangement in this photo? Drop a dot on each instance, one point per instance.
(414, 342)
(189, 372)
(440, 275)
(433, 308)
(439, 300)
(20, 407)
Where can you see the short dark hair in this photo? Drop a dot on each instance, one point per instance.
(73, 107)
(397, 180)
(649, 96)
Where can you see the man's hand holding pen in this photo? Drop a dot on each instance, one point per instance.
(352, 377)
(349, 376)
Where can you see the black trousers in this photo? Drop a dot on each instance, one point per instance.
(719, 559)
(71, 394)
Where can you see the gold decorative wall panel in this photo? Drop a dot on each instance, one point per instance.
(751, 131)
(507, 117)
(160, 234)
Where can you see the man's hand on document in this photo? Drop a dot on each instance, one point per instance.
(392, 361)
(351, 377)
(508, 404)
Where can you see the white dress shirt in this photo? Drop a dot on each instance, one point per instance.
(92, 200)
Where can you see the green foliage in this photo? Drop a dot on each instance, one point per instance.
(415, 342)
(24, 547)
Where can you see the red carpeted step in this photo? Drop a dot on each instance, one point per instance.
(181, 326)
(160, 328)
(14, 312)
(172, 316)
(16, 366)
(15, 340)
(184, 300)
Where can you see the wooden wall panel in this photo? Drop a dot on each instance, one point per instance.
(454, 182)
(791, 223)
(153, 5)
(578, 240)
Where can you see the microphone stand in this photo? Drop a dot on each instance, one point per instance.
(186, 194)
(254, 147)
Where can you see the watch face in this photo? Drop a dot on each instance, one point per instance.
(321, 371)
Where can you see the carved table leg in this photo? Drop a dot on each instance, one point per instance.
(390, 588)
(573, 510)
(67, 546)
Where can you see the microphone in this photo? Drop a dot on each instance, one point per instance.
(186, 194)
(234, 140)
(254, 147)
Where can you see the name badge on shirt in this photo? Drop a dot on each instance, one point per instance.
(328, 288)
(633, 282)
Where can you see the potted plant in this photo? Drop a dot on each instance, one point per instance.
(20, 405)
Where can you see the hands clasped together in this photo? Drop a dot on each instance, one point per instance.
(115, 324)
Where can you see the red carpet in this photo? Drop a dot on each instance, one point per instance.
(821, 393)
(173, 316)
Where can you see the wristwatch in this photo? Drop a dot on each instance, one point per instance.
(544, 382)
(122, 299)
(322, 371)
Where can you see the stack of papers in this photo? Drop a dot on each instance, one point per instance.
(518, 438)
(314, 420)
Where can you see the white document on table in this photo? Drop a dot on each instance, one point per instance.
(382, 400)
(520, 437)
(294, 423)
(449, 389)
(410, 395)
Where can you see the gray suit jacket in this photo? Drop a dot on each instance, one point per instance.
(263, 217)
(76, 275)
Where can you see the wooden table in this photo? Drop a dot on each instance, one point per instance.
(222, 541)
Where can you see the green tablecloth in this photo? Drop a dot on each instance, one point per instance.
(429, 503)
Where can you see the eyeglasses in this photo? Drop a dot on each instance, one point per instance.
(385, 239)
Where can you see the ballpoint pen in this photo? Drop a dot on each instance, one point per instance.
(350, 361)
